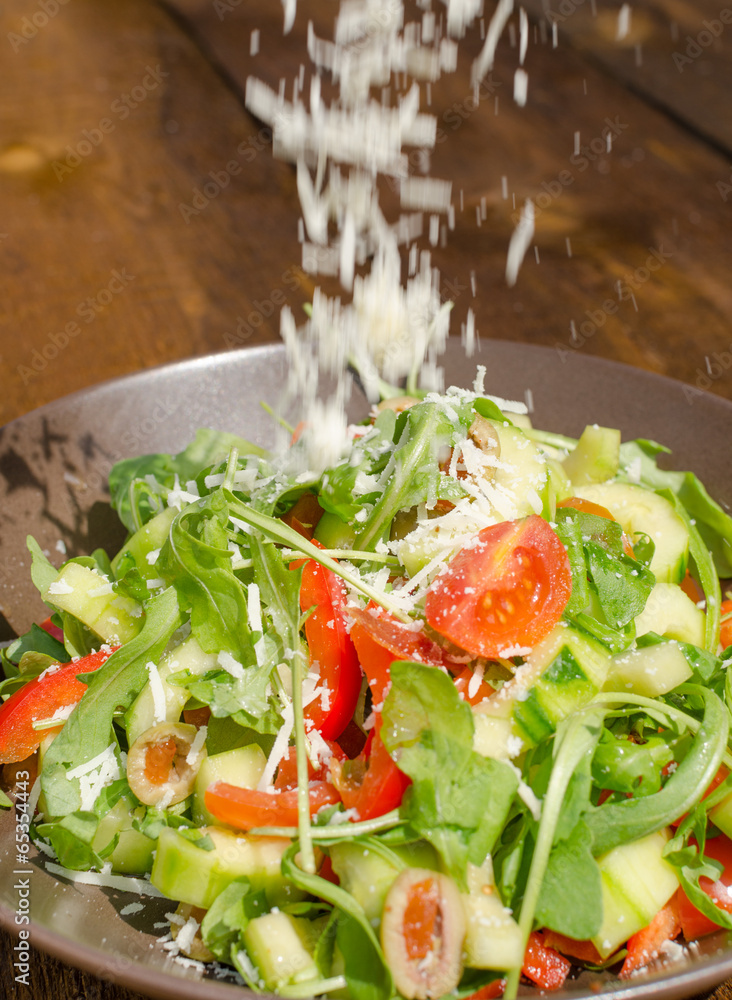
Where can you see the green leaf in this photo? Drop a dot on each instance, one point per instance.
(367, 977)
(570, 535)
(413, 473)
(43, 572)
(71, 839)
(622, 585)
(196, 560)
(490, 410)
(458, 800)
(227, 918)
(570, 900)
(619, 822)
(37, 640)
(136, 501)
(88, 731)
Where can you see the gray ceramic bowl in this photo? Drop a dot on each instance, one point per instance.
(53, 468)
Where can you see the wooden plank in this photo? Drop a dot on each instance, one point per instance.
(108, 265)
(675, 54)
(646, 225)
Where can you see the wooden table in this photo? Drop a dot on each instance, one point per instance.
(117, 117)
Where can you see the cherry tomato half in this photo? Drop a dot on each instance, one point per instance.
(507, 588)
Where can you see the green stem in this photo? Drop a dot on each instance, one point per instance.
(329, 834)
(278, 531)
(303, 779)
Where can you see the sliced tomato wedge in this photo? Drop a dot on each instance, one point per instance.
(40, 699)
(544, 966)
(694, 923)
(246, 808)
(644, 946)
(380, 639)
(584, 951)
(332, 652)
(371, 784)
(505, 589)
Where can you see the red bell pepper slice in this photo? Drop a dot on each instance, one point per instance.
(332, 652)
(40, 699)
(371, 784)
(644, 946)
(246, 808)
(544, 966)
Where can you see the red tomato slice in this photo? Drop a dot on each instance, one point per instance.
(544, 966)
(694, 923)
(332, 652)
(48, 626)
(644, 946)
(40, 699)
(371, 784)
(462, 683)
(304, 515)
(246, 808)
(584, 951)
(380, 639)
(725, 632)
(507, 588)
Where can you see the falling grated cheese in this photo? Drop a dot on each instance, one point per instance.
(227, 662)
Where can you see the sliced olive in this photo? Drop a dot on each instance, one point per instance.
(422, 933)
(187, 932)
(158, 765)
(484, 436)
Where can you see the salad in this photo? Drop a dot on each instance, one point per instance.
(449, 714)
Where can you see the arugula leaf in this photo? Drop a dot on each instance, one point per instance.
(622, 765)
(246, 699)
(622, 585)
(618, 822)
(412, 475)
(568, 529)
(226, 920)
(196, 560)
(37, 640)
(351, 485)
(367, 979)
(43, 572)
(458, 801)
(88, 730)
(133, 496)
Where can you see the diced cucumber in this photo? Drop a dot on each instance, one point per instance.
(141, 713)
(650, 671)
(275, 942)
(721, 815)
(671, 613)
(242, 767)
(115, 618)
(133, 853)
(562, 672)
(636, 882)
(149, 538)
(368, 876)
(439, 536)
(641, 511)
(194, 875)
(522, 474)
(596, 456)
(493, 939)
(492, 735)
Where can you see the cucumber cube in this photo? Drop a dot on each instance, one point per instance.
(493, 939)
(650, 671)
(80, 591)
(275, 943)
(595, 457)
